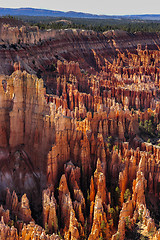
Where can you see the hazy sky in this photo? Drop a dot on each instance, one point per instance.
(90, 6)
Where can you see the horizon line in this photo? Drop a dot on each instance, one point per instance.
(109, 14)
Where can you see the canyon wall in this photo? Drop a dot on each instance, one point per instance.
(79, 151)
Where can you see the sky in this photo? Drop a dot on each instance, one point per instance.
(108, 7)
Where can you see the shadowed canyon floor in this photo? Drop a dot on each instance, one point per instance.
(79, 134)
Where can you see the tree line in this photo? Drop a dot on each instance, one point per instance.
(98, 25)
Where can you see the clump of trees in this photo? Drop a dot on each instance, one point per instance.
(115, 207)
(114, 213)
(147, 128)
(98, 25)
(127, 195)
(129, 27)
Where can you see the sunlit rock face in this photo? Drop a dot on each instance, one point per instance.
(26, 134)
